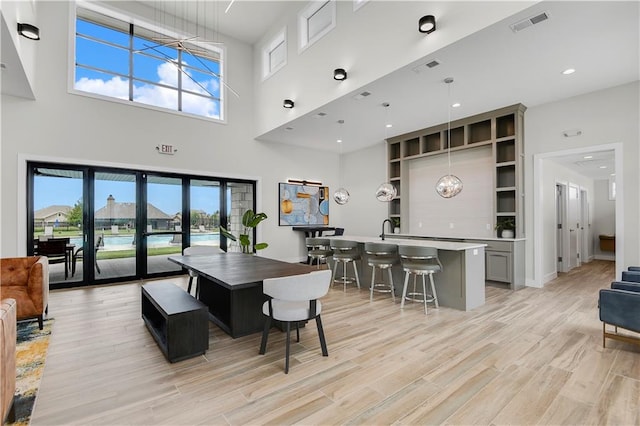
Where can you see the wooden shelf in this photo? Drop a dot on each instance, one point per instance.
(501, 128)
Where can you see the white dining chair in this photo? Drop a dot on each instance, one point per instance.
(293, 299)
(196, 251)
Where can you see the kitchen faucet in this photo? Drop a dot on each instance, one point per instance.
(390, 223)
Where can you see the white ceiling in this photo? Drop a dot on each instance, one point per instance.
(594, 165)
(492, 68)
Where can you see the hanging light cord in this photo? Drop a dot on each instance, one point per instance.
(449, 81)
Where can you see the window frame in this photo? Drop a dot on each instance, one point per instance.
(303, 23)
(218, 53)
(279, 39)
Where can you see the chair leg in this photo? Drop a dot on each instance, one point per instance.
(265, 336)
(433, 290)
(297, 332)
(373, 280)
(344, 275)
(40, 322)
(189, 286)
(323, 342)
(404, 289)
(424, 293)
(393, 290)
(603, 333)
(333, 277)
(286, 361)
(355, 269)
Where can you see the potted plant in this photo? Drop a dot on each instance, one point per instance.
(506, 227)
(250, 220)
(396, 225)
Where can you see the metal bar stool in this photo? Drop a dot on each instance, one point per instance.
(319, 250)
(381, 256)
(421, 261)
(345, 251)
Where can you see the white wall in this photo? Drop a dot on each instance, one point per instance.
(357, 44)
(604, 219)
(79, 129)
(432, 215)
(606, 117)
(361, 173)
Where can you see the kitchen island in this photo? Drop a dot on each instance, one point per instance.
(460, 285)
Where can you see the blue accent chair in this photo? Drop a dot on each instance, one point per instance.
(620, 307)
(631, 276)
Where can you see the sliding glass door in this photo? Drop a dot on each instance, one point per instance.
(120, 225)
(113, 235)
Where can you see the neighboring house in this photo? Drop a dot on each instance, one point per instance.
(124, 214)
(51, 215)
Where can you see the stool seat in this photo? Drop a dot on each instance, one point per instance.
(345, 251)
(319, 249)
(423, 261)
(381, 256)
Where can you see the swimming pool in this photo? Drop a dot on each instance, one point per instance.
(122, 242)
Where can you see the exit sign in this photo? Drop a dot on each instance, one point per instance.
(166, 149)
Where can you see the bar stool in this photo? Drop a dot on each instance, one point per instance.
(345, 251)
(319, 250)
(381, 256)
(422, 261)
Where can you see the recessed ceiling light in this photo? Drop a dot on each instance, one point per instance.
(456, 105)
(613, 174)
(568, 71)
(603, 167)
(339, 141)
(389, 125)
(586, 157)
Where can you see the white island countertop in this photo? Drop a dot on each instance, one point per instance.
(440, 245)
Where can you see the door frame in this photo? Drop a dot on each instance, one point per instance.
(539, 279)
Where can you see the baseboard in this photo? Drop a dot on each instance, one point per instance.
(605, 257)
(549, 277)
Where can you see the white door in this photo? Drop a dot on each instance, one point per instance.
(585, 227)
(560, 209)
(573, 223)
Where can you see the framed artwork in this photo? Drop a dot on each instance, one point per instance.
(303, 204)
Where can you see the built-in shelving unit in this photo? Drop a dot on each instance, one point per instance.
(503, 129)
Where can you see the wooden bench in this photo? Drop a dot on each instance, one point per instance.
(177, 321)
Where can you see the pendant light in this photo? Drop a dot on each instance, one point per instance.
(386, 191)
(448, 186)
(341, 196)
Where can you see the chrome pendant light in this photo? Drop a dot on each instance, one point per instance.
(386, 191)
(341, 196)
(448, 186)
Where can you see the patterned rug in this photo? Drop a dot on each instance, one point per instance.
(31, 352)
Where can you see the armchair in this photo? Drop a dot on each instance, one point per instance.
(620, 307)
(7, 359)
(26, 279)
(631, 276)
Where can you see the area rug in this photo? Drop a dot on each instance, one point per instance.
(31, 352)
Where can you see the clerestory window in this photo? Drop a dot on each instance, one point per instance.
(147, 66)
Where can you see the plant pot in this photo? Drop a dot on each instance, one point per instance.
(396, 230)
(507, 233)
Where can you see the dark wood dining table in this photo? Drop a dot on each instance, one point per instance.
(230, 284)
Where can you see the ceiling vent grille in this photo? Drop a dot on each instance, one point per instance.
(361, 95)
(319, 115)
(431, 64)
(526, 23)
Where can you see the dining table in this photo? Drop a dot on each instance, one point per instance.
(230, 284)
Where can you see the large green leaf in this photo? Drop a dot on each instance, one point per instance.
(261, 246)
(227, 234)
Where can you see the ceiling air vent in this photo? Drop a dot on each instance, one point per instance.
(526, 23)
(428, 65)
(361, 95)
(319, 115)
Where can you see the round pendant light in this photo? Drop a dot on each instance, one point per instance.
(341, 196)
(448, 186)
(386, 192)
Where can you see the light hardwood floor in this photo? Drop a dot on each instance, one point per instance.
(533, 356)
